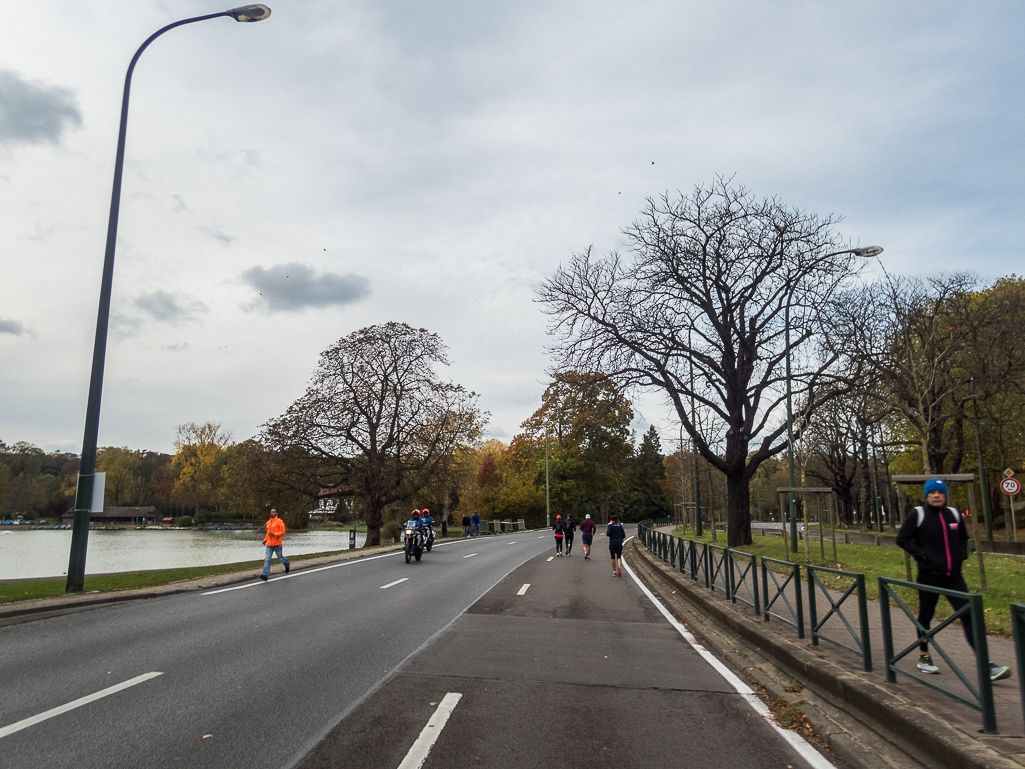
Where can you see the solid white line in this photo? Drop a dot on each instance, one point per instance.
(418, 753)
(796, 741)
(33, 720)
(551, 558)
(396, 582)
(471, 555)
(523, 589)
(303, 573)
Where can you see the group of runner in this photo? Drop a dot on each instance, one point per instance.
(564, 530)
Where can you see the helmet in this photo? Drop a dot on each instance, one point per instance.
(558, 517)
(425, 511)
(416, 513)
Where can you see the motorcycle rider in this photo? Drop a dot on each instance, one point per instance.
(414, 523)
(427, 522)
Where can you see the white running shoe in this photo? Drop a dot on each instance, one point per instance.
(926, 666)
(998, 672)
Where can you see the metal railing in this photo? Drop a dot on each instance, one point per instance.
(718, 566)
(1018, 622)
(982, 695)
(795, 610)
(862, 640)
(744, 574)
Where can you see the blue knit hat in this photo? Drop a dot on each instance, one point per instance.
(935, 484)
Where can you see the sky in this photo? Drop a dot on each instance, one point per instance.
(349, 163)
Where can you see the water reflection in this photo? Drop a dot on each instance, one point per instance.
(27, 554)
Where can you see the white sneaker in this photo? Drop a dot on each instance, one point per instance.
(999, 672)
(926, 666)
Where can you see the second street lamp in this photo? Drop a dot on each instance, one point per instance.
(867, 252)
(87, 469)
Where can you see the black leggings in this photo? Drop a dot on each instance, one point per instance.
(558, 544)
(569, 543)
(927, 603)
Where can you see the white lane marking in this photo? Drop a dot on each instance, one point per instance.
(551, 558)
(303, 573)
(796, 741)
(33, 720)
(523, 589)
(542, 536)
(418, 753)
(511, 543)
(471, 555)
(396, 582)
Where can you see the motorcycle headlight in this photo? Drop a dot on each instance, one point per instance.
(409, 532)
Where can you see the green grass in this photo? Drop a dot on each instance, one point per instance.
(1005, 576)
(25, 590)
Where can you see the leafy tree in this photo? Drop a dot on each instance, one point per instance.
(200, 454)
(124, 484)
(587, 423)
(377, 417)
(699, 312)
(645, 494)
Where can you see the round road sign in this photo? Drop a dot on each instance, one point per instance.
(1010, 486)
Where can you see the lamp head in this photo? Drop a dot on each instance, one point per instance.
(256, 12)
(867, 251)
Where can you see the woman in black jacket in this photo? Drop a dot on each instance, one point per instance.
(936, 536)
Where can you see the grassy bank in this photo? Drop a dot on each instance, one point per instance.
(1005, 576)
(24, 590)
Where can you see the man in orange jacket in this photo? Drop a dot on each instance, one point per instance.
(275, 531)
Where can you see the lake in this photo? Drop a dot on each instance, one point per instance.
(27, 554)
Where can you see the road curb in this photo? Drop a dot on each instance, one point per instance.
(877, 707)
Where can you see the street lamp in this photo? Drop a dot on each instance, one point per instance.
(87, 470)
(867, 252)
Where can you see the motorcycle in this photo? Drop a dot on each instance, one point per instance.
(413, 542)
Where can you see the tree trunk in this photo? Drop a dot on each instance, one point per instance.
(738, 509)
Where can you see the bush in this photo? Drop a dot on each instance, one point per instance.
(185, 521)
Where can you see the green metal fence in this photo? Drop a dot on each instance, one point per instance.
(982, 694)
(862, 640)
(718, 568)
(744, 574)
(1018, 621)
(793, 577)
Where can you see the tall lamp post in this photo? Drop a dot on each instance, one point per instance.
(867, 251)
(87, 470)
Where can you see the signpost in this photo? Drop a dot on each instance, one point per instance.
(1010, 486)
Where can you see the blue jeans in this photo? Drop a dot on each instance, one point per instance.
(273, 550)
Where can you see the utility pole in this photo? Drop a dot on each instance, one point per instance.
(548, 498)
(698, 527)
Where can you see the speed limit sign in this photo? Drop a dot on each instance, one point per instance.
(1010, 486)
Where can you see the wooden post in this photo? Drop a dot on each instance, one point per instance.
(832, 520)
(975, 538)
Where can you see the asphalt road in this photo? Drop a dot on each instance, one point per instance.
(562, 664)
(253, 676)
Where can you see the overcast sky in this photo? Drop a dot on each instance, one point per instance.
(347, 163)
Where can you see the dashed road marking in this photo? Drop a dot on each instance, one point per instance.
(33, 720)
(551, 558)
(418, 753)
(471, 555)
(523, 589)
(396, 582)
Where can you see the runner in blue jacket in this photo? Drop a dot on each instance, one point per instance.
(617, 535)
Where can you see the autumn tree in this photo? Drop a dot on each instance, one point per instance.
(200, 451)
(123, 484)
(586, 421)
(699, 309)
(377, 416)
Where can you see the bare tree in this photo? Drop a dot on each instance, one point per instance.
(708, 286)
(376, 416)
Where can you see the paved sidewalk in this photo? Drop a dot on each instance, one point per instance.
(1011, 738)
